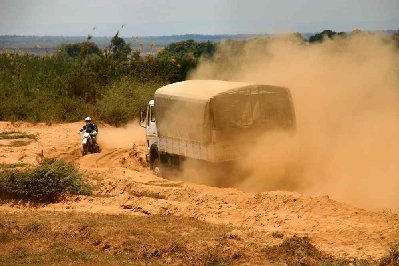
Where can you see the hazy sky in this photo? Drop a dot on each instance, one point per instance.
(166, 17)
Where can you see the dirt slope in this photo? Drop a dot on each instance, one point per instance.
(125, 186)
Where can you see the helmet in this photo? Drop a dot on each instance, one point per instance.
(88, 119)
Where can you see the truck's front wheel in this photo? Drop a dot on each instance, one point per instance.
(157, 168)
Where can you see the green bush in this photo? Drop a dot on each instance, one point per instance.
(45, 182)
(79, 49)
(123, 100)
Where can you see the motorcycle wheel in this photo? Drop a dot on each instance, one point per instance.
(84, 150)
(96, 148)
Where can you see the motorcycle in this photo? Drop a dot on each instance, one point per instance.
(89, 144)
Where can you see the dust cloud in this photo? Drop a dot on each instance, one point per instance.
(346, 98)
(124, 137)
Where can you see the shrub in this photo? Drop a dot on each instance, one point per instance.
(277, 234)
(392, 258)
(300, 251)
(43, 183)
(79, 49)
(124, 99)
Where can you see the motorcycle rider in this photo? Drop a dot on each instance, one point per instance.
(91, 128)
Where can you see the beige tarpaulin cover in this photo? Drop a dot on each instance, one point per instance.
(190, 110)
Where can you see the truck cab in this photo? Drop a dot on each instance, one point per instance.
(148, 121)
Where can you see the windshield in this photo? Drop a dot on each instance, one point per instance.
(152, 113)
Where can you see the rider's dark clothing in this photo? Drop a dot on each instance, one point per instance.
(89, 128)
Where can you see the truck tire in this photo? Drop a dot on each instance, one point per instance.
(157, 167)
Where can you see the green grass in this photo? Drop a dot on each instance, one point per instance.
(17, 135)
(17, 138)
(17, 143)
(12, 165)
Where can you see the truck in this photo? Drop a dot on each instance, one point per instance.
(211, 121)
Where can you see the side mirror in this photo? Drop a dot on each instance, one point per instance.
(141, 119)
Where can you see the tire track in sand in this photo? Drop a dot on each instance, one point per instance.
(107, 158)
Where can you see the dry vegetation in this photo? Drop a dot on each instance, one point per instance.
(31, 238)
(46, 238)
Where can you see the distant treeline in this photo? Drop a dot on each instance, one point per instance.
(49, 44)
(110, 83)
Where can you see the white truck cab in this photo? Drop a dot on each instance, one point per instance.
(149, 123)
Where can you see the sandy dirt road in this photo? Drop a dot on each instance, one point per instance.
(124, 185)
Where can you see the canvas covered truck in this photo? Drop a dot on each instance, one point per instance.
(211, 121)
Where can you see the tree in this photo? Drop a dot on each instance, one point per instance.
(319, 37)
(395, 37)
(188, 48)
(71, 50)
(296, 37)
(181, 57)
(89, 48)
(119, 48)
(79, 49)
